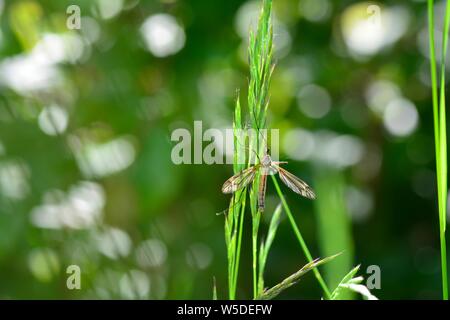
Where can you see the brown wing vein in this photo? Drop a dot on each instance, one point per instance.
(296, 184)
(240, 180)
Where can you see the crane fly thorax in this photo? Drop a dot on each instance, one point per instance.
(266, 166)
(266, 161)
(260, 171)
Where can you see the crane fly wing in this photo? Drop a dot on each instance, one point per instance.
(240, 180)
(296, 184)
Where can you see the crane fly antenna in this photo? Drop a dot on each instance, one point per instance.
(235, 203)
(249, 149)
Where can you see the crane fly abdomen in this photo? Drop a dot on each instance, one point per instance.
(262, 192)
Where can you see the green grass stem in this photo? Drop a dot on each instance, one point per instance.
(300, 238)
(440, 133)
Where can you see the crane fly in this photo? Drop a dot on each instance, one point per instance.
(266, 167)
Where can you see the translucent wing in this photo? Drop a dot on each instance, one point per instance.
(296, 184)
(240, 180)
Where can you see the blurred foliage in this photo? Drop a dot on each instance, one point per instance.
(86, 118)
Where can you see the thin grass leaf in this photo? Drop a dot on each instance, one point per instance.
(260, 60)
(440, 133)
(238, 163)
(443, 157)
(273, 227)
(354, 284)
(294, 278)
(349, 276)
(266, 245)
(240, 219)
(338, 292)
(235, 217)
(300, 239)
(261, 266)
(214, 289)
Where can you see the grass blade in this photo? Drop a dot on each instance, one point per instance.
(300, 238)
(266, 245)
(260, 66)
(350, 283)
(214, 289)
(440, 133)
(338, 293)
(294, 278)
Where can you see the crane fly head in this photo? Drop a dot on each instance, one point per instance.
(266, 161)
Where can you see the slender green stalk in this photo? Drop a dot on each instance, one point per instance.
(238, 247)
(230, 252)
(234, 219)
(260, 64)
(440, 133)
(300, 239)
(293, 279)
(255, 253)
(444, 266)
(233, 235)
(443, 157)
(256, 218)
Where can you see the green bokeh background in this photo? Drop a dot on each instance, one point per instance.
(157, 235)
